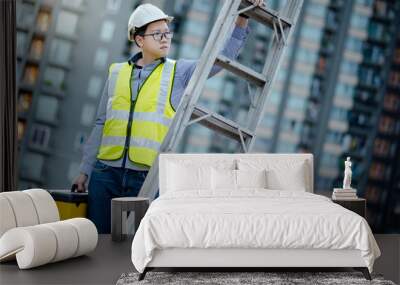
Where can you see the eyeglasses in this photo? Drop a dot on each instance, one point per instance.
(157, 36)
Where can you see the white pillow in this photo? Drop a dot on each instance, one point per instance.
(278, 180)
(188, 177)
(282, 174)
(251, 178)
(223, 179)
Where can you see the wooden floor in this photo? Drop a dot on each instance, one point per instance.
(110, 260)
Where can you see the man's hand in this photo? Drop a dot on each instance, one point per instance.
(80, 182)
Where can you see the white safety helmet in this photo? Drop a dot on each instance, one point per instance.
(143, 15)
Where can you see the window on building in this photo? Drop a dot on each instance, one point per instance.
(229, 90)
(67, 23)
(378, 31)
(215, 83)
(301, 79)
(369, 76)
(339, 114)
(311, 32)
(274, 97)
(54, 77)
(394, 78)
(107, 31)
(101, 58)
(344, 90)
(286, 147)
(43, 20)
(72, 3)
(37, 48)
(25, 14)
(329, 160)
(373, 53)
(296, 103)
(268, 121)
(349, 67)
(40, 136)
(80, 140)
(190, 51)
(334, 137)
(359, 21)
(261, 145)
(316, 9)
(73, 171)
(332, 19)
(31, 74)
(381, 146)
(22, 38)
(367, 3)
(60, 51)
(281, 75)
(306, 56)
(392, 102)
(386, 124)
(94, 86)
(377, 170)
(397, 55)
(49, 3)
(32, 166)
(24, 102)
(196, 28)
(113, 6)
(353, 44)
(19, 68)
(373, 193)
(291, 126)
(204, 5)
(88, 114)
(47, 109)
(21, 129)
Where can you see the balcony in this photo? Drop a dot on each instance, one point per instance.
(31, 74)
(382, 11)
(36, 49)
(378, 33)
(43, 21)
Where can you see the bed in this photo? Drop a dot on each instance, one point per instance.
(245, 211)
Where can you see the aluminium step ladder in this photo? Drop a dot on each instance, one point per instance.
(188, 112)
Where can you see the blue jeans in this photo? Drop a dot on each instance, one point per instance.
(109, 182)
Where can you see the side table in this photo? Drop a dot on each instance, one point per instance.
(138, 205)
(357, 205)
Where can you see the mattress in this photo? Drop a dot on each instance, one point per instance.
(250, 218)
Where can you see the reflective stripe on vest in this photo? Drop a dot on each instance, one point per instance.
(151, 118)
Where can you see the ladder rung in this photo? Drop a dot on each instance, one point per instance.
(221, 124)
(264, 15)
(241, 70)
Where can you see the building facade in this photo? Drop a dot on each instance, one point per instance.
(336, 93)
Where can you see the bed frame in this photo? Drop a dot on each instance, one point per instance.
(247, 259)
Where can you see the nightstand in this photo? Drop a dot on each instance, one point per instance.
(357, 205)
(119, 207)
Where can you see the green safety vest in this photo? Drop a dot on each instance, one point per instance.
(146, 120)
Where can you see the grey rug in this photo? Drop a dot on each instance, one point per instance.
(230, 278)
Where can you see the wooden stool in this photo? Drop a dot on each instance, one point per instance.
(139, 205)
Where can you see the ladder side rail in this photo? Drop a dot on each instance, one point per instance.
(272, 64)
(192, 92)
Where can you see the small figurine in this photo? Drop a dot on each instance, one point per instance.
(347, 174)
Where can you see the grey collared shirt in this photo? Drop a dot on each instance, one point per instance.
(183, 72)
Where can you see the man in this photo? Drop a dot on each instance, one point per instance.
(136, 109)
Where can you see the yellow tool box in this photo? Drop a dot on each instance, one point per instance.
(70, 204)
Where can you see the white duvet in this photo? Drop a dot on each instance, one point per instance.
(251, 218)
